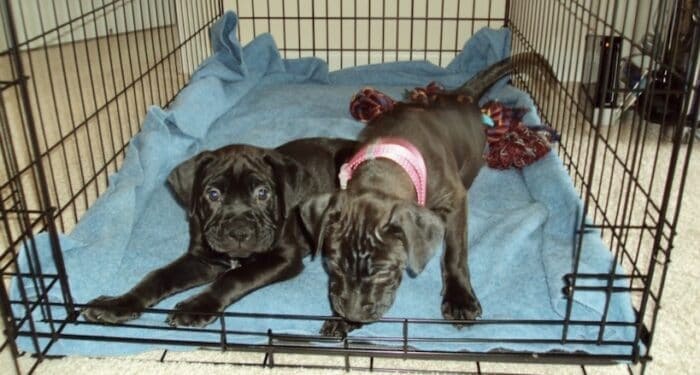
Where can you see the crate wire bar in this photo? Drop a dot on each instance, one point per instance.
(76, 77)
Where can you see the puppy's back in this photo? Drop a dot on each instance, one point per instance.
(320, 156)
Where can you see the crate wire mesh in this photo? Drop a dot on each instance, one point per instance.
(76, 84)
(77, 77)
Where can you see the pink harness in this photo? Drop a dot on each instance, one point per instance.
(398, 150)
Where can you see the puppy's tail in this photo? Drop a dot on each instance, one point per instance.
(482, 81)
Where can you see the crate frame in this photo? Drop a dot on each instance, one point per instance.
(643, 245)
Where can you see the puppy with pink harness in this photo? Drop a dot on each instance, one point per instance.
(402, 194)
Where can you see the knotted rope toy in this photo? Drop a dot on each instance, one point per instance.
(511, 144)
(369, 104)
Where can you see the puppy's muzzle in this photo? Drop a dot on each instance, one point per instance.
(358, 309)
(240, 232)
(233, 235)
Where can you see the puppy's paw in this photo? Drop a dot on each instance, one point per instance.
(196, 311)
(106, 309)
(338, 328)
(459, 304)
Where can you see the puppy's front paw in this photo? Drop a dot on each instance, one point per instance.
(106, 309)
(338, 328)
(196, 311)
(458, 304)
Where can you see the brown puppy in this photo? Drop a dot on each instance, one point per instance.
(377, 227)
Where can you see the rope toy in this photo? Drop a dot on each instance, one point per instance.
(369, 104)
(511, 144)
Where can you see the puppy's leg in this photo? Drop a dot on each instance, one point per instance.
(279, 263)
(459, 300)
(264, 269)
(184, 273)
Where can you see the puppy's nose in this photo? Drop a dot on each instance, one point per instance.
(241, 234)
(370, 311)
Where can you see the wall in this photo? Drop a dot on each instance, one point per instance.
(359, 28)
(557, 28)
(60, 21)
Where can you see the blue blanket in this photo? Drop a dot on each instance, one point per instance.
(521, 223)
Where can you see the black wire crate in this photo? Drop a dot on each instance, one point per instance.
(78, 80)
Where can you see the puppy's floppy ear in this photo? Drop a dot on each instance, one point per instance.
(289, 178)
(421, 232)
(315, 213)
(182, 178)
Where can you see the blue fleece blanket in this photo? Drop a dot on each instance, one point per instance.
(521, 223)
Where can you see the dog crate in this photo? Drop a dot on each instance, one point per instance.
(77, 77)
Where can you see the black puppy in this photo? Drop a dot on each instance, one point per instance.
(406, 191)
(245, 229)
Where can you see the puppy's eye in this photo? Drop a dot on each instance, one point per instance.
(262, 193)
(214, 194)
(333, 217)
(393, 230)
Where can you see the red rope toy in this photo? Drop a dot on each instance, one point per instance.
(511, 144)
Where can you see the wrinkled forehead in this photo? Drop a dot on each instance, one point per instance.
(369, 205)
(239, 166)
(361, 224)
(364, 251)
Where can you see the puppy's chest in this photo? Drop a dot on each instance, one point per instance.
(229, 264)
(233, 264)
